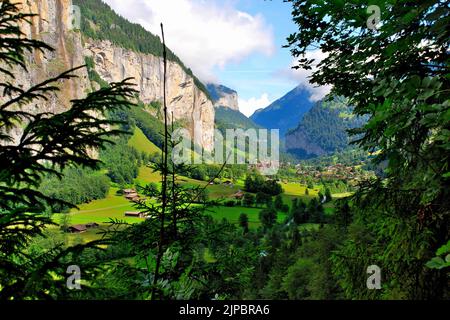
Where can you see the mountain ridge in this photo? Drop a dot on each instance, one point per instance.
(323, 130)
(227, 118)
(286, 112)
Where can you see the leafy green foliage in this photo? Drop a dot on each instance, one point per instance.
(256, 183)
(249, 200)
(441, 262)
(397, 76)
(268, 217)
(48, 143)
(243, 222)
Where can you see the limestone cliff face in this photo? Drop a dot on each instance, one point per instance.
(229, 101)
(53, 25)
(184, 100)
(224, 97)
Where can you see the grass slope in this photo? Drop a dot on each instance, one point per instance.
(141, 143)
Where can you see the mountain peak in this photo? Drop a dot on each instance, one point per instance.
(286, 112)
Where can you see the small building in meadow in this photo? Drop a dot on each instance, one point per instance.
(239, 195)
(132, 197)
(134, 214)
(78, 228)
(129, 191)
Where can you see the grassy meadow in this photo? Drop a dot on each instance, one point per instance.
(114, 206)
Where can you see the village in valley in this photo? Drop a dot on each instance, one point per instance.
(296, 180)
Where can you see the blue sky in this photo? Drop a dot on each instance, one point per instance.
(259, 74)
(237, 43)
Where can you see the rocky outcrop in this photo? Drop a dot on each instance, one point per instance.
(224, 97)
(186, 102)
(52, 25)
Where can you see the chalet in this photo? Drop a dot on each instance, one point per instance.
(92, 225)
(239, 195)
(78, 228)
(134, 214)
(133, 197)
(129, 191)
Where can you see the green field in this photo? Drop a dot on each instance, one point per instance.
(140, 142)
(101, 211)
(296, 190)
(115, 206)
(232, 214)
(146, 175)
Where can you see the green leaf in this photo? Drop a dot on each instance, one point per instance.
(444, 249)
(436, 263)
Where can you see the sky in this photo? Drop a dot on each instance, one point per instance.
(236, 43)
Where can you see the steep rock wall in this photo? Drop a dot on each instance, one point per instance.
(53, 25)
(184, 100)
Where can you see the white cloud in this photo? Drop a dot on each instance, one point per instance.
(202, 33)
(302, 76)
(249, 106)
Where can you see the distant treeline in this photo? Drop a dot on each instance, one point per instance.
(77, 186)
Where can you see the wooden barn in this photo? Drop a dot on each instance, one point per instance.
(239, 195)
(129, 191)
(78, 228)
(134, 214)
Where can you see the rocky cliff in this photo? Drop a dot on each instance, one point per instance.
(223, 97)
(53, 25)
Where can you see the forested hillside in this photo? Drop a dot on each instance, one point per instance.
(323, 130)
(227, 118)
